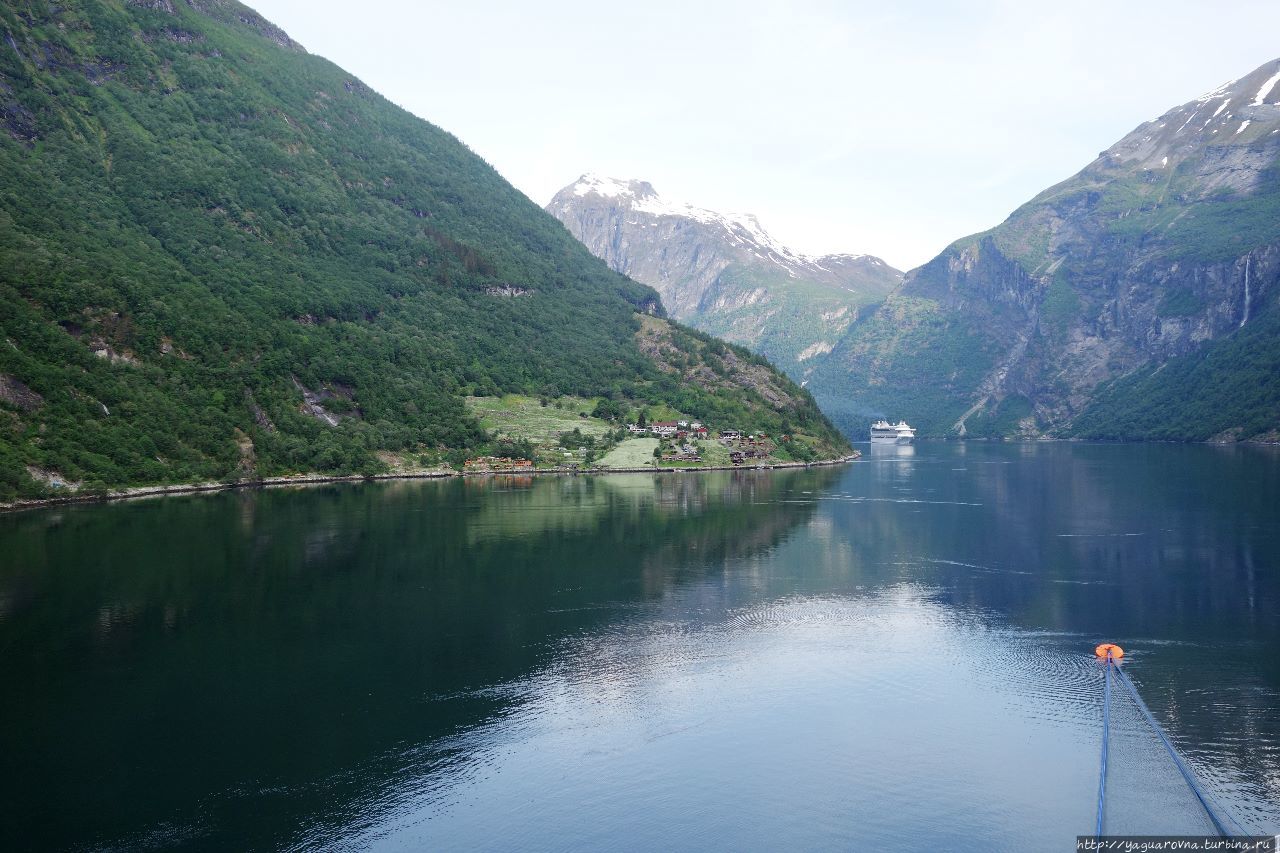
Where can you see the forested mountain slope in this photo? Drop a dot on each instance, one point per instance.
(224, 257)
(1136, 299)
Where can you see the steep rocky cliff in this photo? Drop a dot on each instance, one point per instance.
(1159, 253)
(723, 273)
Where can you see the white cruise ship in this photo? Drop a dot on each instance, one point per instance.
(883, 432)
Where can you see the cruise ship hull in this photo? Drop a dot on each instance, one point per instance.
(883, 432)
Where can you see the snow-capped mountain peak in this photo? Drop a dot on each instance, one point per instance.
(1240, 113)
(723, 272)
(742, 229)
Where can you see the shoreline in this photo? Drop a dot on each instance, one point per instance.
(137, 492)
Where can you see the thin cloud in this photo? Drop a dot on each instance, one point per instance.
(844, 126)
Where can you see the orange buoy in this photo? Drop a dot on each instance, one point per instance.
(1109, 649)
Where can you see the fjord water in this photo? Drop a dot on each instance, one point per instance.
(892, 654)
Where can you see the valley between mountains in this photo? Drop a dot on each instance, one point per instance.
(1134, 300)
(226, 259)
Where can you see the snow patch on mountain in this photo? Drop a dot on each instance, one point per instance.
(641, 197)
(722, 272)
(1220, 117)
(1215, 93)
(1261, 97)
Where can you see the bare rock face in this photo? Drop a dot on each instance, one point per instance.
(722, 272)
(18, 395)
(1169, 242)
(165, 6)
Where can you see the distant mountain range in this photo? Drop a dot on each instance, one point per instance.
(722, 272)
(225, 258)
(1135, 300)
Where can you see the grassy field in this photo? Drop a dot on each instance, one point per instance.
(519, 417)
(638, 453)
(713, 452)
(523, 418)
(632, 453)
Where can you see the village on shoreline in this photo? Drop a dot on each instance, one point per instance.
(553, 437)
(677, 442)
(514, 474)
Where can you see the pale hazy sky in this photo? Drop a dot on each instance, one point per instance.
(890, 127)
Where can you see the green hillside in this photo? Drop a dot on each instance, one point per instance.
(226, 258)
(1225, 392)
(801, 322)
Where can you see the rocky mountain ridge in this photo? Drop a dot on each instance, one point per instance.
(1163, 247)
(723, 272)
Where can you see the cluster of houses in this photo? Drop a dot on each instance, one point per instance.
(670, 429)
(686, 453)
(734, 438)
(741, 446)
(682, 433)
(744, 447)
(497, 463)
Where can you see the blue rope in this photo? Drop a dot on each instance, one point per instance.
(1106, 740)
(1173, 753)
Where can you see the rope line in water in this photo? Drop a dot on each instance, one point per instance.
(1106, 739)
(1173, 753)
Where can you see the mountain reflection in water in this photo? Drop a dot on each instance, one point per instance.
(734, 659)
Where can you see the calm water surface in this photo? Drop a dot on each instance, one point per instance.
(884, 655)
